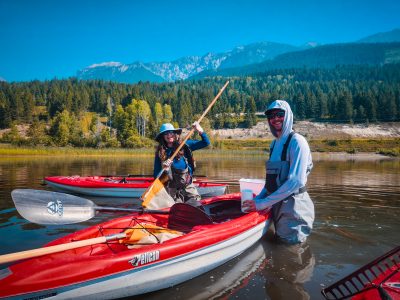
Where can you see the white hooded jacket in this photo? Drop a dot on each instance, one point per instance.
(298, 154)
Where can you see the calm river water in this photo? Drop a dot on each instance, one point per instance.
(357, 219)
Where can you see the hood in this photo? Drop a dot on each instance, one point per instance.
(287, 122)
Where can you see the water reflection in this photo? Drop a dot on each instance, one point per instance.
(357, 211)
(229, 280)
(290, 267)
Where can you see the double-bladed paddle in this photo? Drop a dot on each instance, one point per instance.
(52, 208)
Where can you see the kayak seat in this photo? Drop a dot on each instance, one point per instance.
(123, 180)
(223, 210)
(183, 217)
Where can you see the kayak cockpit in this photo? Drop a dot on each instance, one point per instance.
(149, 229)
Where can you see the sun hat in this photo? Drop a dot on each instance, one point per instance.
(167, 127)
(276, 105)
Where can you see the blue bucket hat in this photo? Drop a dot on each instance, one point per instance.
(167, 127)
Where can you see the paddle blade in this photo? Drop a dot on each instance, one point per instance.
(157, 197)
(52, 208)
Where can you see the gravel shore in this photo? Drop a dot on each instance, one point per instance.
(315, 130)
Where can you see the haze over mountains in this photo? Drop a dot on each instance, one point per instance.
(377, 49)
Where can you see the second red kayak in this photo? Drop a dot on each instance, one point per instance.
(127, 187)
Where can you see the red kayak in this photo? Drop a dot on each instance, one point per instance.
(380, 279)
(132, 187)
(155, 251)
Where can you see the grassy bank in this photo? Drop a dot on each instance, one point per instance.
(387, 146)
(9, 150)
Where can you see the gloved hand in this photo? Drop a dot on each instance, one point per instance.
(198, 128)
(167, 164)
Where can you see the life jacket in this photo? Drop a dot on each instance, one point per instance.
(189, 156)
(181, 178)
(277, 171)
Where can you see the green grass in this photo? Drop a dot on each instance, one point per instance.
(227, 147)
(68, 151)
(356, 145)
(385, 146)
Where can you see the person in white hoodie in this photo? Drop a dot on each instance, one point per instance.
(287, 169)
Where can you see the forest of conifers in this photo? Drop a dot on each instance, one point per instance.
(67, 112)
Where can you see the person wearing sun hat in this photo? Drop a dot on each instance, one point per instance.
(287, 169)
(180, 170)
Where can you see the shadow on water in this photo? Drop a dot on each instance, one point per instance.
(357, 210)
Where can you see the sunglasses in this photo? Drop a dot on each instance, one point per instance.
(169, 132)
(272, 115)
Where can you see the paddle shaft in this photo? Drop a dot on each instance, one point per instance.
(186, 138)
(199, 120)
(230, 182)
(58, 248)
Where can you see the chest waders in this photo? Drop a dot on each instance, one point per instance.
(277, 173)
(180, 185)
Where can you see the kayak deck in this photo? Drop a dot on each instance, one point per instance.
(132, 187)
(90, 270)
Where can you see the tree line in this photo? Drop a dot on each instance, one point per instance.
(107, 114)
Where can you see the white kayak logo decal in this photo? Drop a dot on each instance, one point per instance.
(145, 258)
(55, 207)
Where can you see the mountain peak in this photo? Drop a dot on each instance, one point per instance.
(312, 44)
(106, 64)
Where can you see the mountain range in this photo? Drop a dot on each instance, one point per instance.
(377, 49)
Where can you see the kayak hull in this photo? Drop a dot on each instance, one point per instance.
(99, 274)
(165, 274)
(134, 188)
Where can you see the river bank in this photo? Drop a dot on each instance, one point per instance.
(321, 149)
(375, 138)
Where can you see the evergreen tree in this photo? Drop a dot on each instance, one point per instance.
(345, 107)
(250, 117)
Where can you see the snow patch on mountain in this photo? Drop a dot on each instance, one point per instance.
(185, 67)
(106, 64)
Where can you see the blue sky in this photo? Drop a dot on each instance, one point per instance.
(41, 39)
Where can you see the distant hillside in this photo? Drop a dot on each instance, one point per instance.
(257, 57)
(185, 67)
(383, 37)
(327, 56)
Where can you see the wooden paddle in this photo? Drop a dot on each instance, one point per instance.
(52, 208)
(58, 248)
(148, 190)
(182, 217)
(228, 182)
